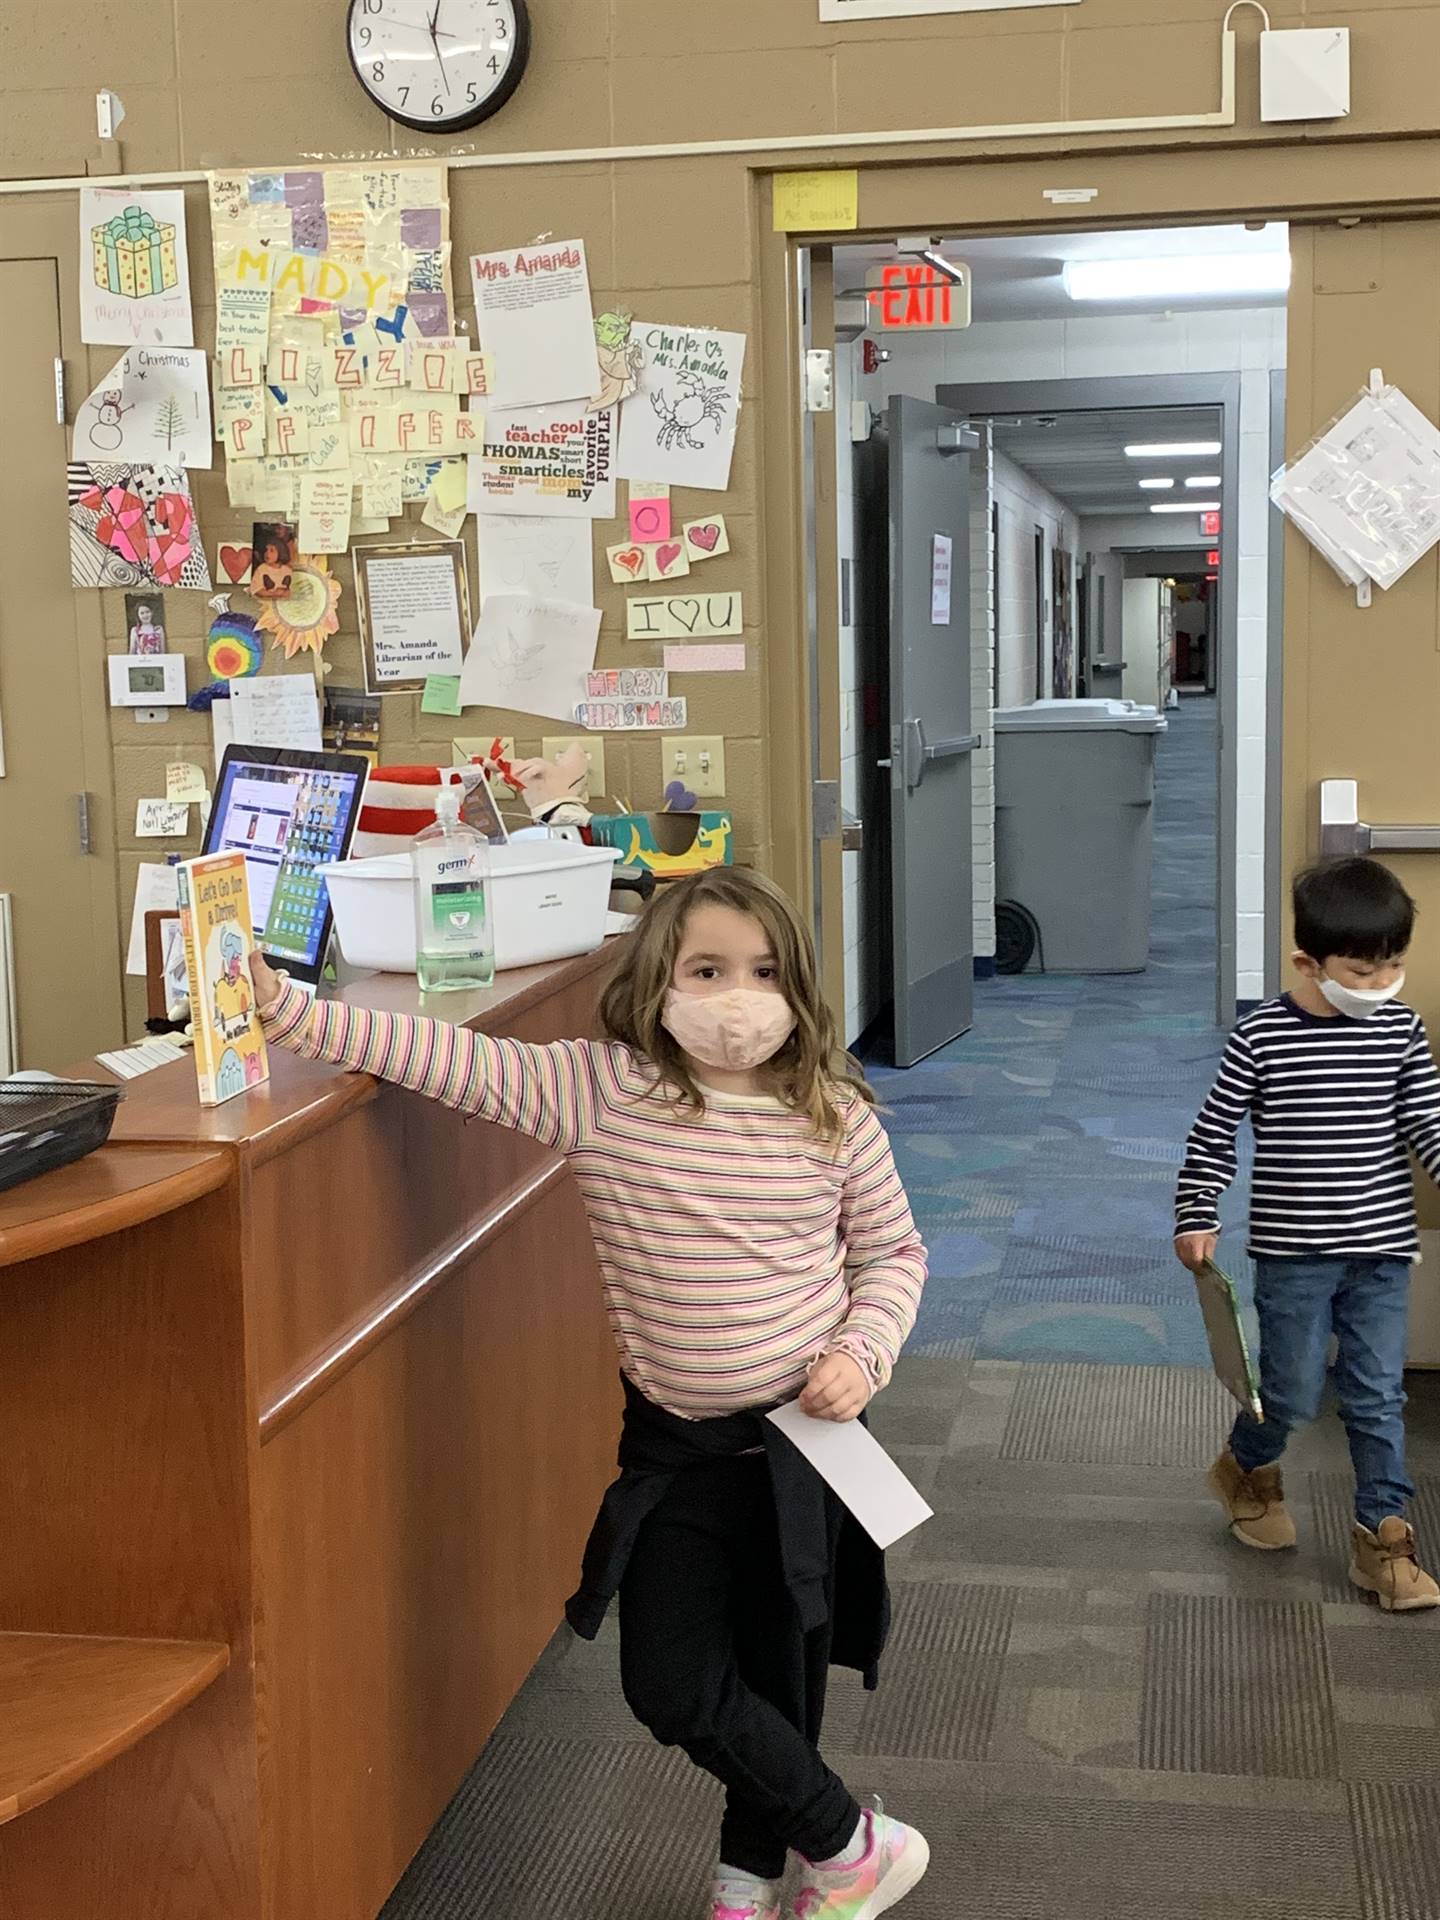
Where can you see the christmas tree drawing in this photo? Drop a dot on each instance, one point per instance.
(170, 423)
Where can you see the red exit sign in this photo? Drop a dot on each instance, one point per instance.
(909, 295)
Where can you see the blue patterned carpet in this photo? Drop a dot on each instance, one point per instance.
(1040, 1149)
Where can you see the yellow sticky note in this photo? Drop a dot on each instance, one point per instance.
(822, 202)
(185, 785)
(448, 486)
(444, 522)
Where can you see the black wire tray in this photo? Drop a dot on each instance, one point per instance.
(45, 1124)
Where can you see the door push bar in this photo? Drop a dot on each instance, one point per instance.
(918, 753)
(1343, 832)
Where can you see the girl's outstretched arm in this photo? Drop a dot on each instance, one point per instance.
(547, 1092)
(885, 1254)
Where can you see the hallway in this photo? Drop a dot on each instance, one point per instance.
(1095, 1703)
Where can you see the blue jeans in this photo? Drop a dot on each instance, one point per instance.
(1364, 1303)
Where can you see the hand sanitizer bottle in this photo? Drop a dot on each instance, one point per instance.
(454, 935)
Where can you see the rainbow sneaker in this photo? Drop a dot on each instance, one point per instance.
(744, 1900)
(892, 1865)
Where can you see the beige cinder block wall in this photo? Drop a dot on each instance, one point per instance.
(678, 239)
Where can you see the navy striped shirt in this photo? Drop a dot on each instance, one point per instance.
(1333, 1104)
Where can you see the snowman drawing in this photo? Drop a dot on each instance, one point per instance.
(106, 432)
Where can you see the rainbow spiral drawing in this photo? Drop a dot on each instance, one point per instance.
(236, 650)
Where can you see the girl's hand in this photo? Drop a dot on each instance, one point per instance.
(1192, 1250)
(268, 984)
(838, 1389)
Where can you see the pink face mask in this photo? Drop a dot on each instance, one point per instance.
(734, 1031)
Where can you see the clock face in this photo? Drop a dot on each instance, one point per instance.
(439, 63)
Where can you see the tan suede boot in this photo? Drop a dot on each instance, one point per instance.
(1385, 1565)
(1255, 1503)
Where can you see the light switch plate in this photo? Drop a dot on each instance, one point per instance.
(698, 760)
(1305, 73)
(553, 746)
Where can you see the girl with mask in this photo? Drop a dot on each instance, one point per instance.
(756, 1247)
(1337, 1079)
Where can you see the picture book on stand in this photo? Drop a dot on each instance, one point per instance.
(215, 922)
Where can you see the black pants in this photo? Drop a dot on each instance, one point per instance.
(713, 1660)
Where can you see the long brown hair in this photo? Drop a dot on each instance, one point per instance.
(811, 1073)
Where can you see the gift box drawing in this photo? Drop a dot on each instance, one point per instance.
(135, 254)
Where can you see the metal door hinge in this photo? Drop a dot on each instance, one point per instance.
(825, 809)
(852, 833)
(82, 812)
(819, 380)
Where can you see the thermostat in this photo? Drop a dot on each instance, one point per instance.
(147, 680)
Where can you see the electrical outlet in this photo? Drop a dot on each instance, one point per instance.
(463, 751)
(594, 750)
(698, 760)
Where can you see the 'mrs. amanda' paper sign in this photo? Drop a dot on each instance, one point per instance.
(898, 9)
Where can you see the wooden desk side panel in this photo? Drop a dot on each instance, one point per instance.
(423, 1522)
(128, 1428)
(336, 1223)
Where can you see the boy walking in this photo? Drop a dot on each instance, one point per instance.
(1338, 1080)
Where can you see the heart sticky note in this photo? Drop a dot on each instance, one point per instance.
(707, 539)
(627, 563)
(668, 560)
(234, 563)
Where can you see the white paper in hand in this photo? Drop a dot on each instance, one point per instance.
(852, 1462)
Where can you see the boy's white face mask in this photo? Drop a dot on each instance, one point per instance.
(1359, 1003)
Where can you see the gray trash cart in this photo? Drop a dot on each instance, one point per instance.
(1074, 827)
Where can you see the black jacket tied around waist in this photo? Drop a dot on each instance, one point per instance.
(833, 1569)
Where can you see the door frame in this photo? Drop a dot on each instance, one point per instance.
(1303, 182)
(1220, 391)
(31, 230)
(1277, 927)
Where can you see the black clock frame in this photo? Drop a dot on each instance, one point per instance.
(475, 116)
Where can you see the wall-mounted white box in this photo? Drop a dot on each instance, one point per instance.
(1305, 74)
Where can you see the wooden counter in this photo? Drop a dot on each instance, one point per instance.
(307, 1403)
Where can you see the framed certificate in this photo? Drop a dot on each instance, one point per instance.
(413, 604)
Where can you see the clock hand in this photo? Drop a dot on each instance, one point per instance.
(411, 26)
(435, 43)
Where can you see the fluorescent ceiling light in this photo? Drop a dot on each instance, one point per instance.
(1200, 480)
(1181, 276)
(1188, 506)
(1171, 449)
(1156, 486)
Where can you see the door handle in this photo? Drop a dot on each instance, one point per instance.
(919, 753)
(952, 749)
(1343, 833)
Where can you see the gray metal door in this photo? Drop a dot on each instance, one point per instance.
(931, 744)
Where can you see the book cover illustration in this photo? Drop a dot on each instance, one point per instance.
(217, 927)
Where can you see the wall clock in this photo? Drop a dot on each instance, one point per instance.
(441, 64)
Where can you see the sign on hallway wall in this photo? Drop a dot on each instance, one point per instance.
(899, 9)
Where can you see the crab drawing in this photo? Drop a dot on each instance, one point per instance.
(679, 418)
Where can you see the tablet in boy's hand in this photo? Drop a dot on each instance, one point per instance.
(1225, 1330)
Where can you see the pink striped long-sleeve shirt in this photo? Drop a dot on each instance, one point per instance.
(735, 1246)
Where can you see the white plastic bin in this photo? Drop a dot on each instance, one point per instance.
(549, 902)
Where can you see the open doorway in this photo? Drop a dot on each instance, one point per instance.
(1118, 489)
